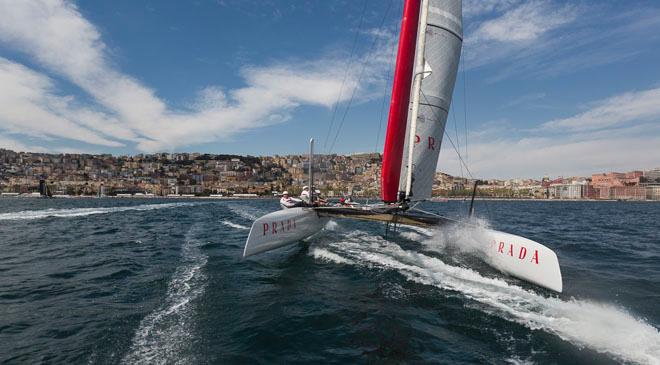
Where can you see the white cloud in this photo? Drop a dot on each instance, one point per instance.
(525, 99)
(536, 157)
(14, 145)
(517, 35)
(614, 111)
(30, 106)
(524, 23)
(546, 38)
(479, 7)
(54, 33)
(619, 133)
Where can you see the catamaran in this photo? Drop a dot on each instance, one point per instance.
(427, 61)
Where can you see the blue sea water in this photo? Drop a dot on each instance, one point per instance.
(143, 281)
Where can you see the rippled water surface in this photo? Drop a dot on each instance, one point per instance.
(161, 281)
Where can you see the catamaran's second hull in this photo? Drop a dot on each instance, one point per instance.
(282, 228)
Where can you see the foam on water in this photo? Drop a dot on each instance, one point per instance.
(466, 238)
(413, 236)
(423, 231)
(331, 225)
(600, 327)
(233, 225)
(80, 212)
(325, 255)
(417, 234)
(163, 334)
(518, 361)
(247, 212)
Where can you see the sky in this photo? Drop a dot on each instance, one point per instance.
(545, 87)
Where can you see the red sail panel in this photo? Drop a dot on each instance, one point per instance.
(398, 117)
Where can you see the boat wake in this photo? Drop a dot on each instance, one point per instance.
(233, 225)
(81, 212)
(600, 327)
(246, 212)
(164, 335)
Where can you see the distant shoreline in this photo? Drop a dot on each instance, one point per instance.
(139, 197)
(274, 198)
(553, 200)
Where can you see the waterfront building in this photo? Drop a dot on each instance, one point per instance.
(652, 178)
(611, 179)
(624, 193)
(567, 191)
(653, 192)
(591, 192)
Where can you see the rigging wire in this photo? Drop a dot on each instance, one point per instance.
(449, 137)
(454, 146)
(465, 117)
(348, 68)
(453, 112)
(357, 84)
(464, 102)
(390, 76)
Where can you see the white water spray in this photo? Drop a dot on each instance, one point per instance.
(600, 327)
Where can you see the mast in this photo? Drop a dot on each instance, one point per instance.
(398, 116)
(311, 170)
(417, 86)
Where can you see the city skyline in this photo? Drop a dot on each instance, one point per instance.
(545, 87)
(303, 155)
(28, 163)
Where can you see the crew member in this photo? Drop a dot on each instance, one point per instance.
(341, 203)
(305, 196)
(320, 200)
(288, 202)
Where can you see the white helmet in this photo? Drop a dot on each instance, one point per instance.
(305, 187)
(285, 192)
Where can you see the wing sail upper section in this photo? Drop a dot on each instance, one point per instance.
(444, 39)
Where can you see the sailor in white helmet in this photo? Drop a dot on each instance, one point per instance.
(288, 202)
(306, 196)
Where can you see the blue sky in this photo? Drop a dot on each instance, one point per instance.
(551, 87)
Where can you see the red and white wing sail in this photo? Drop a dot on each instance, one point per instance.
(443, 42)
(398, 117)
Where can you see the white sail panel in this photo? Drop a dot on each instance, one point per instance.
(444, 38)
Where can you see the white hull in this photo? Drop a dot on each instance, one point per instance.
(519, 257)
(282, 228)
